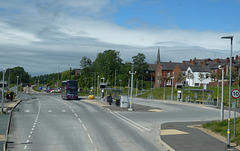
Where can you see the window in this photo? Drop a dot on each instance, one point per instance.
(196, 84)
(207, 75)
(168, 74)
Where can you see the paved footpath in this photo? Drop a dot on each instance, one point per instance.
(3, 128)
(187, 137)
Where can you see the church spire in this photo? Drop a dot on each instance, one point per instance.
(158, 56)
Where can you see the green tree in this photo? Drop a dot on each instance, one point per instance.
(140, 65)
(106, 63)
(24, 77)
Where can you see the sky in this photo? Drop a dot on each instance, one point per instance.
(42, 35)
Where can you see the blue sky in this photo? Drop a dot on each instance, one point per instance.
(41, 35)
(204, 15)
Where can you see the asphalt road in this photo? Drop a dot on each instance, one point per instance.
(46, 122)
(49, 123)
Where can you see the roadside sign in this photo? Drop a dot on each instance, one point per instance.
(235, 93)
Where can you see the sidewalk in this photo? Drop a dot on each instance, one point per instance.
(182, 136)
(3, 128)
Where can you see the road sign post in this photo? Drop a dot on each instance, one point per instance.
(235, 94)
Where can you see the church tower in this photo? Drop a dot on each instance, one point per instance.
(158, 56)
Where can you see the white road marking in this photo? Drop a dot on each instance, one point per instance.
(127, 120)
(25, 147)
(27, 111)
(76, 115)
(28, 141)
(29, 136)
(84, 127)
(63, 110)
(90, 138)
(50, 111)
(31, 132)
(32, 129)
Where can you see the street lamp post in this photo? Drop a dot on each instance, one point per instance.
(230, 83)
(97, 85)
(3, 90)
(17, 85)
(131, 98)
(222, 107)
(120, 84)
(172, 87)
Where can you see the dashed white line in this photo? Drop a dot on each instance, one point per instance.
(29, 136)
(32, 129)
(76, 115)
(84, 127)
(28, 141)
(90, 138)
(79, 120)
(25, 147)
(31, 132)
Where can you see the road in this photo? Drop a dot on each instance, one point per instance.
(46, 122)
(49, 123)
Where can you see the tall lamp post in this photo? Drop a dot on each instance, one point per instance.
(172, 87)
(131, 97)
(230, 83)
(17, 85)
(3, 90)
(222, 107)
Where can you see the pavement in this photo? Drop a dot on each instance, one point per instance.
(179, 136)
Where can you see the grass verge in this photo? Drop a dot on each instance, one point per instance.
(221, 127)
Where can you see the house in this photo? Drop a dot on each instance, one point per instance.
(197, 75)
(78, 72)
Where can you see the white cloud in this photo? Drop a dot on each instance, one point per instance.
(43, 37)
(10, 35)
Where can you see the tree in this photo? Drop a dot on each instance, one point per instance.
(24, 77)
(140, 64)
(85, 62)
(106, 63)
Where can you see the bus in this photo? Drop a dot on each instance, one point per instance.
(69, 90)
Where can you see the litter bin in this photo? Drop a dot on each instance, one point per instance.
(117, 102)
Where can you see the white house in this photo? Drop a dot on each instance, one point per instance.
(197, 75)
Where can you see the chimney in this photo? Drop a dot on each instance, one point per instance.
(236, 58)
(170, 61)
(190, 62)
(194, 61)
(232, 59)
(183, 62)
(204, 62)
(227, 60)
(217, 60)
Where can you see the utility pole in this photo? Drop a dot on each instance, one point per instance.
(131, 98)
(136, 85)
(115, 78)
(58, 77)
(70, 73)
(97, 86)
(8, 78)
(3, 90)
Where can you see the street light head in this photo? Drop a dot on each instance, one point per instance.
(227, 37)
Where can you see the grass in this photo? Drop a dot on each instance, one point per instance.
(159, 92)
(221, 127)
